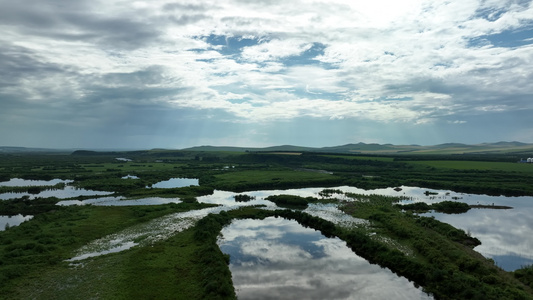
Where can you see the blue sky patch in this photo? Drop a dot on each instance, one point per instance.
(231, 45)
(508, 38)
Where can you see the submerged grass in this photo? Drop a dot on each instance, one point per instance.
(165, 270)
(42, 244)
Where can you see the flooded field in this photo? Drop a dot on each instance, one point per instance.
(67, 191)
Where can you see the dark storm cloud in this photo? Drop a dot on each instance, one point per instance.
(18, 62)
(78, 20)
(39, 14)
(187, 7)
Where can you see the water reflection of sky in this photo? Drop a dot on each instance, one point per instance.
(175, 183)
(12, 220)
(505, 234)
(67, 192)
(25, 182)
(277, 258)
(120, 201)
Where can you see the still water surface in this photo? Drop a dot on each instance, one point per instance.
(277, 258)
(67, 192)
(10, 221)
(175, 183)
(26, 182)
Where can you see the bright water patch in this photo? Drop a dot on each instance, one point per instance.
(123, 159)
(277, 258)
(175, 183)
(120, 201)
(67, 192)
(10, 221)
(227, 199)
(130, 177)
(25, 182)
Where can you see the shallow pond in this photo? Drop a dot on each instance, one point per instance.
(26, 182)
(277, 258)
(120, 201)
(175, 183)
(67, 192)
(10, 221)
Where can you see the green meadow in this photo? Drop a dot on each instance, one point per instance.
(478, 165)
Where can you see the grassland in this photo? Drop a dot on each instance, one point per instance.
(478, 165)
(361, 157)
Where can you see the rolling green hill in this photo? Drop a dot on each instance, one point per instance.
(448, 148)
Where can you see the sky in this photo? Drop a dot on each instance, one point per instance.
(176, 74)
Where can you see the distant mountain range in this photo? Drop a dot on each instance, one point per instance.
(6, 149)
(362, 148)
(448, 148)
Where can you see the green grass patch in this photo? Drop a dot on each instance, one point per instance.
(356, 157)
(477, 165)
(248, 180)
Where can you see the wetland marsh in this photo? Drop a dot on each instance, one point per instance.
(343, 203)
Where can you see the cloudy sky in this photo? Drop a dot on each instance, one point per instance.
(174, 74)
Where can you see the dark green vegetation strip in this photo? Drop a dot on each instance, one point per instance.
(215, 275)
(272, 179)
(290, 201)
(525, 275)
(448, 207)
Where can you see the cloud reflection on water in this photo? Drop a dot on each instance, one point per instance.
(268, 261)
